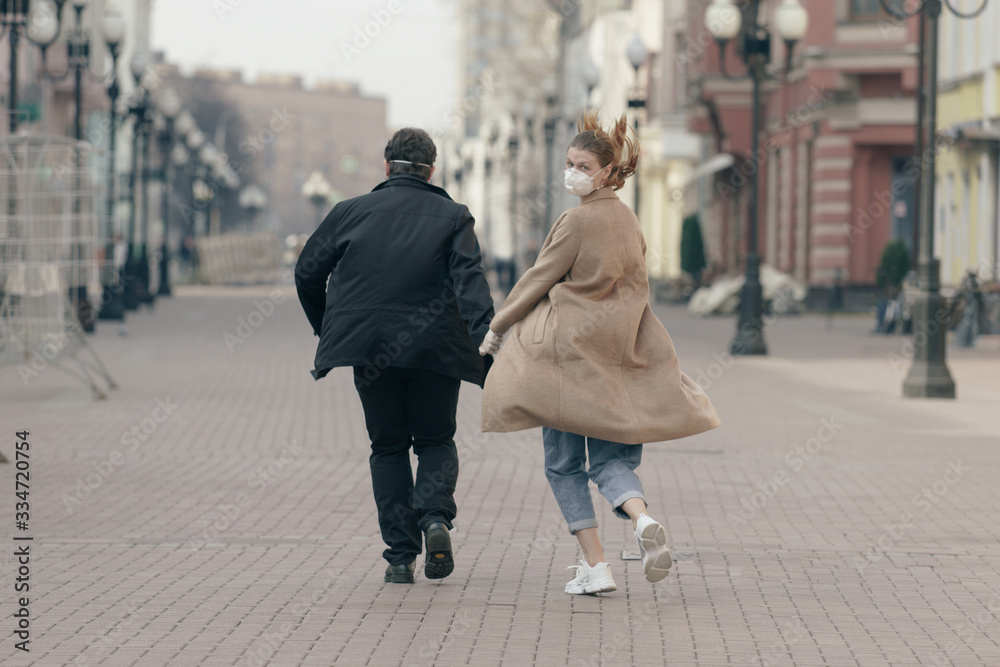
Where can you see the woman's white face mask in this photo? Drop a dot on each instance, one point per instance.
(578, 183)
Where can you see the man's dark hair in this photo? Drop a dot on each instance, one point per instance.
(411, 145)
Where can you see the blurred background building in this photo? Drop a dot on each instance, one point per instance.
(838, 180)
(275, 132)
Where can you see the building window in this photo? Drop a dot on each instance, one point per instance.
(871, 10)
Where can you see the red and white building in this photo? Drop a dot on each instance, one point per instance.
(836, 177)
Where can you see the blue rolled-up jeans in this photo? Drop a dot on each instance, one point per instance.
(612, 468)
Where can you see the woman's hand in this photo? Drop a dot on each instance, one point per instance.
(491, 344)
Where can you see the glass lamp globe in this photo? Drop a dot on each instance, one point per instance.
(43, 24)
(723, 19)
(791, 20)
(113, 26)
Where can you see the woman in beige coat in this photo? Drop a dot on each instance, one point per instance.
(588, 361)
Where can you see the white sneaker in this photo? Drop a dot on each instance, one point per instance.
(652, 540)
(590, 580)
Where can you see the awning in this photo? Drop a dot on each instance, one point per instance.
(977, 134)
(710, 166)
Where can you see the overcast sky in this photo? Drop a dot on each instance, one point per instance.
(410, 60)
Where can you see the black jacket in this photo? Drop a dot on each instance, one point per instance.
(406, 283)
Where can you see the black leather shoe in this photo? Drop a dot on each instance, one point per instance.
(438, 563)
(400, 574)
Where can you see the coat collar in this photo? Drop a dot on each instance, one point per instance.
(410, 180)
(600, 193)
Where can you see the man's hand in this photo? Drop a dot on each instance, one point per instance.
(491, 344)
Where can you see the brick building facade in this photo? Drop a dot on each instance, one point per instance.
(837, 135)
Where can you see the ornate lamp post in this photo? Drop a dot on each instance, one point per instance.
(551, 121)
(724, 20)
(928, 376)
(137, 266)
(513, 146)
(208, 155)
(253, 199)
(169, 105)
(317, 190)
(637, 54)
(43, 28)
(112, 301)
(200, 192)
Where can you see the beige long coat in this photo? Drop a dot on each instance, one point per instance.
(585, 354)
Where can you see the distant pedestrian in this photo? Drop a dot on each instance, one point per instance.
(834, 296)
(407, 306)
(588, 361)
(120, 258)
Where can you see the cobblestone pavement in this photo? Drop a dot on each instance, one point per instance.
(217, 510)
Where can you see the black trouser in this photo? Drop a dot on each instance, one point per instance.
(404, 407)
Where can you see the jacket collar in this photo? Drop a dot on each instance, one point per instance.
(600, 193)
(410, 180)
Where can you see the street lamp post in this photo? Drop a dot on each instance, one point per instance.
(195, 139)
(724, 20)
(43, 28)
(549, 129)
(14, 16)
(637, 55)
(136, 277)
(928, 376)
(208, 154)
(169, 104)
(513, 144)
(317, 190)
(112, 303)
(253, 199)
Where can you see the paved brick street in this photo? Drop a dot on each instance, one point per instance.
(217, 510)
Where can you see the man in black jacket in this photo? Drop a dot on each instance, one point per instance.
(407, 306)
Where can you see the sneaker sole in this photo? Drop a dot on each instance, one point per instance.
(399, 578)
(657, 563)
(439, 562)
(591, 590)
